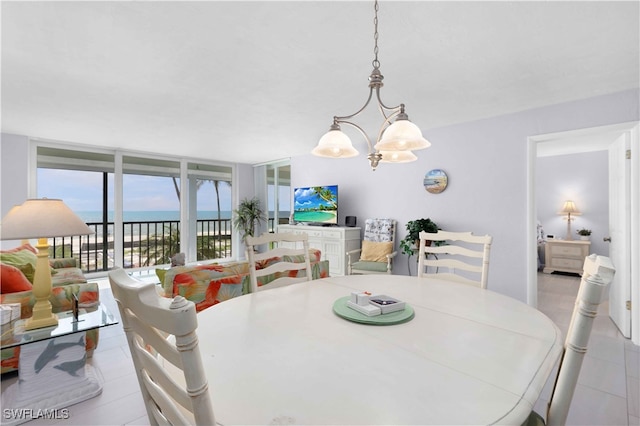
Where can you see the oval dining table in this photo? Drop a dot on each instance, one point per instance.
(467, 356)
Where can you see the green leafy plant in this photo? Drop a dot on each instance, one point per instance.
(584, 232)
(414, 227)
(246, 215)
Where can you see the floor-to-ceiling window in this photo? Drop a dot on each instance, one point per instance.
(150, 210)
(210, 187)
(143, 209)
(84, 181)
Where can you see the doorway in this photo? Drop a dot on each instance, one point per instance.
(573, 142)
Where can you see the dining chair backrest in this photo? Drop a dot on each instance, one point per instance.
(161, 334)
(277, 264)
(455, 256)
(598, 272)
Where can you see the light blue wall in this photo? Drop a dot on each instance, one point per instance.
(486, 162)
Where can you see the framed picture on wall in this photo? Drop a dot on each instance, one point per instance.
(435, 181)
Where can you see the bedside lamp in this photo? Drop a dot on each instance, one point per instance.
(42, 219)
(569, 208)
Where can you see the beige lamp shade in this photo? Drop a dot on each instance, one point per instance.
(569, 208)
(402, 135)
(42, 218)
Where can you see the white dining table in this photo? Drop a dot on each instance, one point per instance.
(468, 356)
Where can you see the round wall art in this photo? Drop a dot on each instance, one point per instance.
(435, 181)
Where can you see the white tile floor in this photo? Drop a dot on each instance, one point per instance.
(608, 391)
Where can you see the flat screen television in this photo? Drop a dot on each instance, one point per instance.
(316, 204)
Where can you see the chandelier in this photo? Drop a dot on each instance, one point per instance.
(394, 142)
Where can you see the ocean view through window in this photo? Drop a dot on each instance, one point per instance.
(148, 230)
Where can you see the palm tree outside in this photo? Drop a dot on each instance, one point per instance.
(204, 247)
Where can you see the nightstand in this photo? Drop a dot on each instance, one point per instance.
(565, 255)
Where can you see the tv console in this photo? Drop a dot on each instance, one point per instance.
(333, 241)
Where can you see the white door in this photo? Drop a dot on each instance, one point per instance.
(620, 232)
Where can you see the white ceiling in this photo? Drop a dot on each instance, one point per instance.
(257, 81)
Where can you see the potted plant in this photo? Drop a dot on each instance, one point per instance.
(411, 241)
(246, 215)
(584, 233)
(414, 227)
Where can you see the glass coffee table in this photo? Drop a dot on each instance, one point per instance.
(53, 373)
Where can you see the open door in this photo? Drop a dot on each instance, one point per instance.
(620, 232)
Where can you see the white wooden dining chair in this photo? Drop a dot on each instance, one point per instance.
(455, 256)
(276, 264)
(598, 272)
(148, 319)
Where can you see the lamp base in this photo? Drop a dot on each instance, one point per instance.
(42, 312)
(569, 237)
(41, 319)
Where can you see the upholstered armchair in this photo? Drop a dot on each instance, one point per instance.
(377, 252)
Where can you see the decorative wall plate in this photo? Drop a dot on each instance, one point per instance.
(435, 181)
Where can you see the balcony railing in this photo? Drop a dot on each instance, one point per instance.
(146, 243)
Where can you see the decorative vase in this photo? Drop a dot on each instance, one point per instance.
(584, 237)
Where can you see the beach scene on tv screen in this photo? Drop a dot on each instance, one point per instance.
(316, 204)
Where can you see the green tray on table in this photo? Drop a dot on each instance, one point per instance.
(341, 309)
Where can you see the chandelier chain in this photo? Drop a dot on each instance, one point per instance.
(376, 62)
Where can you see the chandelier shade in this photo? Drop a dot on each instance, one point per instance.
(402, 135)
(394, 142)
(397, 157)
(335, 144)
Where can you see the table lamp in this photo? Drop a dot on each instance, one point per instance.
(569, 208)
(42, 219)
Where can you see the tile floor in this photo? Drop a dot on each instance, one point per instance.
(608, 391)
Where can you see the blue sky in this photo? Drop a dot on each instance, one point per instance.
(82, 191)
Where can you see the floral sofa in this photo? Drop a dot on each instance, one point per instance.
(207, 285)
(16, 277)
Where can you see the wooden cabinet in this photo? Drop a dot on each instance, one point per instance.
(333, 241)
(565, 256)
